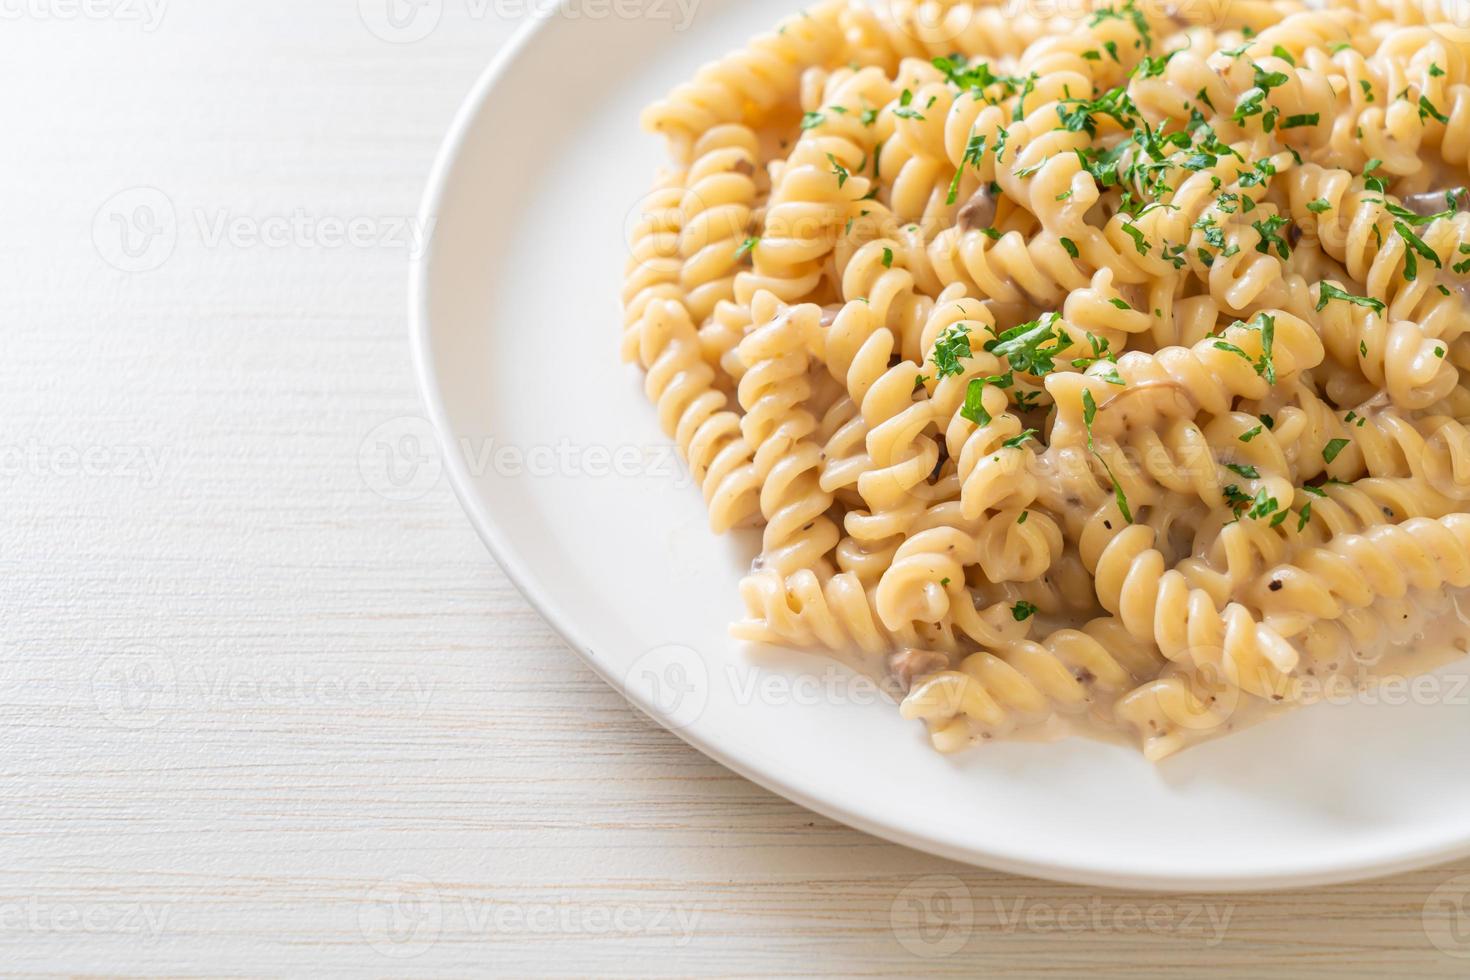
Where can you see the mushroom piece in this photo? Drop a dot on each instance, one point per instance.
(907, 666)
(1433, 202)
(978, 212)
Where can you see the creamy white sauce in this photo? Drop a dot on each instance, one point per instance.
(1395, 671)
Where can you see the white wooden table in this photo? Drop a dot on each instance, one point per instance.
(260, 718)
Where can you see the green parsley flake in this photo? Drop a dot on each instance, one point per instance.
(1330, 292)
(974, 407)
(1015, 441)
(951, 345)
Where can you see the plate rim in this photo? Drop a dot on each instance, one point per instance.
(420, 329)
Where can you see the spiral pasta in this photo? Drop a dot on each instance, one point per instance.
(1093, 371)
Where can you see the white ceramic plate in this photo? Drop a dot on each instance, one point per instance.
(516, 325)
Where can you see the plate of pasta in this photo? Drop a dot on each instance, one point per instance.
(1030, 432)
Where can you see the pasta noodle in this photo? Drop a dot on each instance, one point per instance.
(1101, 370)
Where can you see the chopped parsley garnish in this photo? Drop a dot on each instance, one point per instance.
(1266, 367)
(951, 345)
(1427, 109)
(1023, 611)
(1253, 101)
(1139, 241)
(1031, 348)
(1089, 414)
(1014, 442)
(1416, 245)
(1263, 505)
(1371, 182)
(1235, 499)
(839, 170)
(1330, 292)
(974, 407)
(974, 151)
(1306, 119)
(1268, 228)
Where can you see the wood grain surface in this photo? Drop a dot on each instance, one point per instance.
(261, 719)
